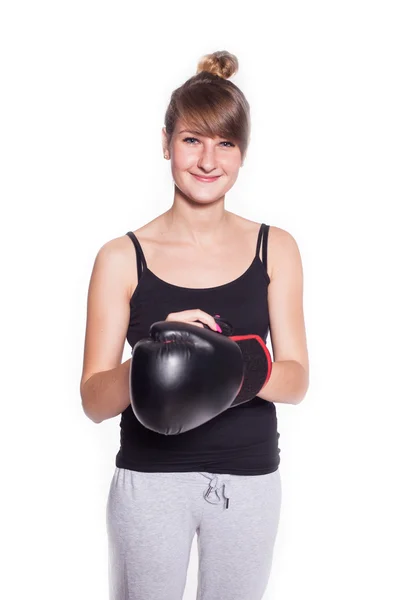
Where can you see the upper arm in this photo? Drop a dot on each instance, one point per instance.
(285, 301)
(108, 310)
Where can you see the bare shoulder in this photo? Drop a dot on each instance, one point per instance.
(115, 255)
(149, 236)
(116, 249)
(283, 249)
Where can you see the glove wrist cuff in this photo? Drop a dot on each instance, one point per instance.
(257, 366)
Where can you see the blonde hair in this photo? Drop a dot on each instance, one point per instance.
(211, 105)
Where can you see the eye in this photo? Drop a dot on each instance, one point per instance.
(193, 138)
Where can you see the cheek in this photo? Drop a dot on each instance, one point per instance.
(182, 160)
(183, 155)
(231, 166)
(231, 161)
(180, 166)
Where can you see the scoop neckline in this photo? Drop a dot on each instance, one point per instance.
(215, 287)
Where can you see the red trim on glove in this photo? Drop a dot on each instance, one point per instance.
(264, 347)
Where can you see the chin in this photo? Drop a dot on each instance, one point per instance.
(195, 195)
(204, 200)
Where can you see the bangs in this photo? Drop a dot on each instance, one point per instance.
(215, 115)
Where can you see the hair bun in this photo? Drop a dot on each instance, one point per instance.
(223, 64)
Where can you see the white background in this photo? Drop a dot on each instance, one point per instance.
(84, 89)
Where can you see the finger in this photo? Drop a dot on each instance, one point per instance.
(207, 319)
(193, 315)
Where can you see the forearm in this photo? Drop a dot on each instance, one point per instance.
(106, 394)
(287, 384)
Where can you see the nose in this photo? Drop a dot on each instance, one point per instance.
(207, 160)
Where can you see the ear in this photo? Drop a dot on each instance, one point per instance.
(164, 140)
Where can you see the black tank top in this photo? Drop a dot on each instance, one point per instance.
(242, 440)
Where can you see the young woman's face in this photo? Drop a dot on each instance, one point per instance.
(193, 155)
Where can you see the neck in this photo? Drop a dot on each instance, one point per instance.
(196, 222)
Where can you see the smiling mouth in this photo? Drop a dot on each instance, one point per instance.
(206, 179)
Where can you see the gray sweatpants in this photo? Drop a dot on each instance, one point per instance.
(152, 519)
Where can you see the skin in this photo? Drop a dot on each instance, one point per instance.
(196, 230)
(202, 156)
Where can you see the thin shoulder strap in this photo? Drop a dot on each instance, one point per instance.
(140, 259)
(263, 233)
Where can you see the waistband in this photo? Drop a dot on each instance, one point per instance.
(218, 489)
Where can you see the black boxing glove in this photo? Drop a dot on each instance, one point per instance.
(257, 362)
(183, 375)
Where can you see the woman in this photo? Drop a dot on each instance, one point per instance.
(193, 263)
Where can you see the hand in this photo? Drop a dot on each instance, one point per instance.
(196, 317)
(183, 375)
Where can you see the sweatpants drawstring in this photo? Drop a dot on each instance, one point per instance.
(218, 483)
